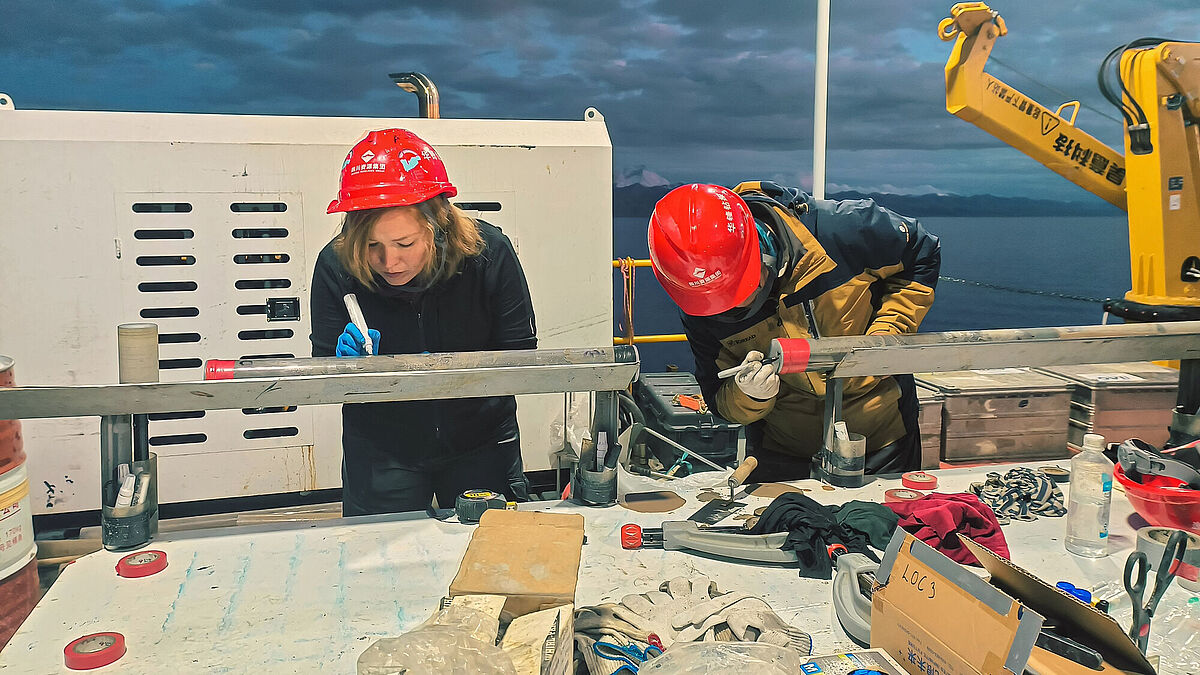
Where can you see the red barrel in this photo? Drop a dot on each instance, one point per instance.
(12, 451)
(18, 556)
(18, 595)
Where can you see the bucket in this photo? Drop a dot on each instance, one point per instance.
(18, 567)
(16, 517)
(18, 594)
(12, 453)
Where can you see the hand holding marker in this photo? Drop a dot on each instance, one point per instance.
(738, 369)
(360, 322)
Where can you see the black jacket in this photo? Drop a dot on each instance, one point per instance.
(486, 306)
(857, 269)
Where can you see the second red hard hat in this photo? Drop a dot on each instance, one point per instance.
(390, 167)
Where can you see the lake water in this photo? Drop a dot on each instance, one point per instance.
(1081, 257)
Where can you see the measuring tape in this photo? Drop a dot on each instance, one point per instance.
(94, 651)
(141, 564)
(471, 504)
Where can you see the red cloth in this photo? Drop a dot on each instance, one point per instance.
(937, 519)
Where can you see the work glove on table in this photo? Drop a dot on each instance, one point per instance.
(639, 615)
(351, 342)
(612, 620)
(598, 665)
(756, 380)
(740, 617)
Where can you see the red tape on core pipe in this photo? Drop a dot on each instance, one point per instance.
(218, 369)
(793, 354)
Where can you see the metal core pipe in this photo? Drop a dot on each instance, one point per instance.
(216, 369)
(856, 356)
(362, 380)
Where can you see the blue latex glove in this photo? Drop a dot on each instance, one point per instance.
(351, 342)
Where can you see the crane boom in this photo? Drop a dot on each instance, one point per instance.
(1156, 85)
(1001, 110)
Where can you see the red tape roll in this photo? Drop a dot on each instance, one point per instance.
(94, 651)
(901, 495)
(141, 564)
(919, 480)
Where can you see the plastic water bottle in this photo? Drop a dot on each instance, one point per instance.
(1090, 498)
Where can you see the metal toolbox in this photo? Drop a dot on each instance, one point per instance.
(930, 423)
(704, 433)
(1119, 400)
(1001, 414)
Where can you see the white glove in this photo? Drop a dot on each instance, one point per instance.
(611, 620)
(756, 380)
(741, 617)
(764, 625)
(657, 609)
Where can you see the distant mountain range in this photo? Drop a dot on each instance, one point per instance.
(637, 199)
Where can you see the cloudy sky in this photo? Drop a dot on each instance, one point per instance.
(693, 90)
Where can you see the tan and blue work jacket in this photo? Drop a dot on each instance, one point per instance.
(859, 269)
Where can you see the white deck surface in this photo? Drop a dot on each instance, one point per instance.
(312, 597)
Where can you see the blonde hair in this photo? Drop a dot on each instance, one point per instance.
(457, 233)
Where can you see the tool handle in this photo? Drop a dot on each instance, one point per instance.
(743, 472)
(360, 322)
(767, 548)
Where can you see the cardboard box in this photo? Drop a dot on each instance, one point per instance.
(530, 557)
(542, 643)
(936, 617)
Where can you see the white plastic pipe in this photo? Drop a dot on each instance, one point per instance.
(820, 99)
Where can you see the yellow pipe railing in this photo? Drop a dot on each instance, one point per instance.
(630, 339)
(649, 339)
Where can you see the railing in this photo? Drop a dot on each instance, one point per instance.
(628, 268)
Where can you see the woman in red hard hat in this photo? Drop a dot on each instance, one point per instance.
(428, 279)
(762, 261)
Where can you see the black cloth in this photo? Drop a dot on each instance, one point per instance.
(812, 528)
(876, 521)
(485, 306)
(382, 483)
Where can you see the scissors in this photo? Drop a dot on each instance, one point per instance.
(631, 656)
(1137, 567)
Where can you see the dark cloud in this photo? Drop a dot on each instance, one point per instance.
(686, 86)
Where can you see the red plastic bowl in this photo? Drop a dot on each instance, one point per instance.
(1162, 501)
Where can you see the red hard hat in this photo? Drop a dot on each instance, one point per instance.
(704, 248)
(390, 167)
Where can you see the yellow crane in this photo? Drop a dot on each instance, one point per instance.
(1157, 88)
(1155, 83)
